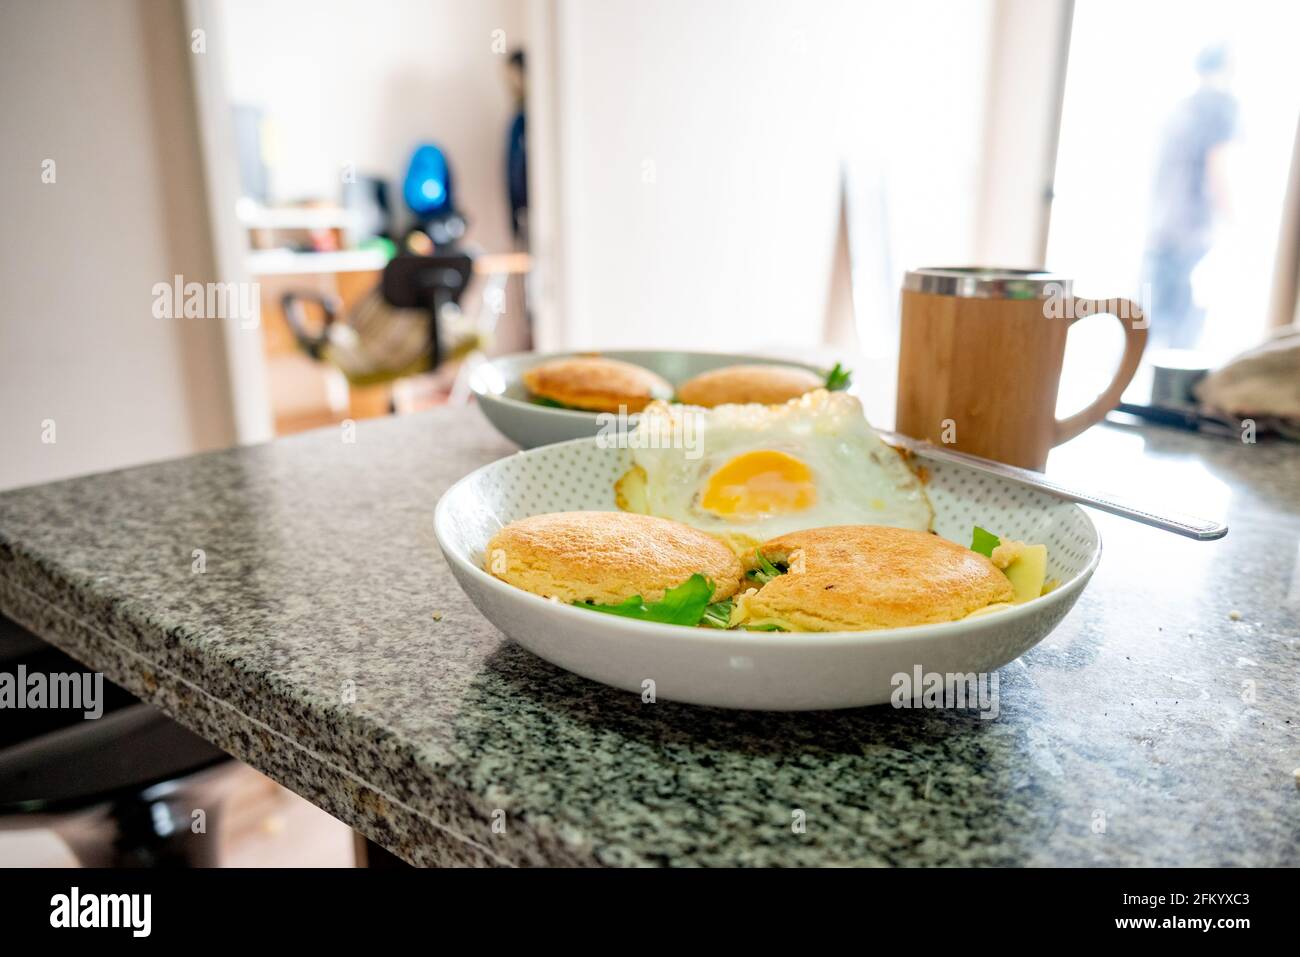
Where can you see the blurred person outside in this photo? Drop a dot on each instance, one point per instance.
(1189, 197)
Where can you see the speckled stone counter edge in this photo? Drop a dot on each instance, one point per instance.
(414, 834)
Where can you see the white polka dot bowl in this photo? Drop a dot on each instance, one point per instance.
(766, 671)
(503, 397)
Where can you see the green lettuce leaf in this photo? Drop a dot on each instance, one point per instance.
(984, 541)
(684, 605)
(838, 379)
(717, 615)
(765, 571)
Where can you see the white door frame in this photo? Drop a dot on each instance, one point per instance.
(245, 361)
(1029, 49)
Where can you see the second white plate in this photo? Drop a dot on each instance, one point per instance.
(505, 401)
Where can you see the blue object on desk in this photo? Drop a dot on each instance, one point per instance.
(427, 188)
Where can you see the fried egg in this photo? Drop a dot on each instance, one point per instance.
(752, 472)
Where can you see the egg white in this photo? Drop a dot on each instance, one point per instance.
(857, 478)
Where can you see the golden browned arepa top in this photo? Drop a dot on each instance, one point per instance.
(766, 384)
(864, 577)
(596, 384)
(607, 557)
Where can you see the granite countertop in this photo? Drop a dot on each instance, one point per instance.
(289, 603)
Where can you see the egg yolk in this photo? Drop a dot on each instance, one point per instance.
(763, 482)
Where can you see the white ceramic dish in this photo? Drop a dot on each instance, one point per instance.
(742, 669)
(508, 406)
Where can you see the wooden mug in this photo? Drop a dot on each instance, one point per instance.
(980, 360)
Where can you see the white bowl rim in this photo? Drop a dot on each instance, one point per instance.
(583, 413)
(762, 639)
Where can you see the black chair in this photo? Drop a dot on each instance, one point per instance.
(427, 283)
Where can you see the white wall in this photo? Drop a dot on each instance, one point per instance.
(699, 173)
(102, 89)
(700, 149)
(915, 103)
(363, 81)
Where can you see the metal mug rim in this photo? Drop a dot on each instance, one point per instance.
(987, 282)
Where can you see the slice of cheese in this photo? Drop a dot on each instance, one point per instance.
(1028, 573)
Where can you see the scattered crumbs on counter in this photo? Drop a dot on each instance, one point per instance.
(437, 616)
(1234, 615)
(1296, 774)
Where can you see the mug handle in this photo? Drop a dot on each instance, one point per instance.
(1135, 340)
